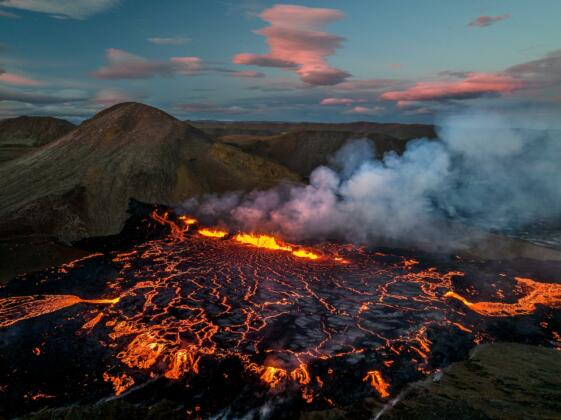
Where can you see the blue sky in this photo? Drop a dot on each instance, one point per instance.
(331, 60)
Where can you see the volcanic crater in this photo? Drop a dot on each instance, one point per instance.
(221, 323)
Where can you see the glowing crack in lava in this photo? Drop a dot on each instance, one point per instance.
(19, 308)
(320, 326)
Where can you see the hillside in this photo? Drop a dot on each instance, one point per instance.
(80, 185)
(22, 135)
(304, 146)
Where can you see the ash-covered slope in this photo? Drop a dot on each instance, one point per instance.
(22, 135)
(80, 185)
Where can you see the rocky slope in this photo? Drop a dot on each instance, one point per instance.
(80, 185)
(21, 135)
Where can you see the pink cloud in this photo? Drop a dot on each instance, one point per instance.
(473, 85)
(249, 74)
(297, 43)
(18, 80)
(483, 21)
(341, 101)
(186, 65)
(124, 65)
(362, 110)
(300, 17)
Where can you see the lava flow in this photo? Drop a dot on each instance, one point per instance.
(235, 320)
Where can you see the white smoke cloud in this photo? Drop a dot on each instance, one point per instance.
(481, 171)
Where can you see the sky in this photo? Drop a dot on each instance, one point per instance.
(313, 60)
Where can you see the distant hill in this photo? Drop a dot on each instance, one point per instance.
(80, 184)
(22, 135)
(399, 131)
(304, 146)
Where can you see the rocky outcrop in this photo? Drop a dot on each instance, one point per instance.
(80, 185)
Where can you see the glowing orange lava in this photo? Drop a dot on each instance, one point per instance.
(270, 242)
(273, 376)
(189, 300)
(187, 220)
(19, 308)
(378, 383)
(535, 294)
(261, 241)
(177, 229)
(213, 233)
(301, 253)
(120, 383)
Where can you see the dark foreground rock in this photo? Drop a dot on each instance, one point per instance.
(499, 381)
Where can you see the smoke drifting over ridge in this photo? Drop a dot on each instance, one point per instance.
(480, 171)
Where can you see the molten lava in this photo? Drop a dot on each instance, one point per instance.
(269, 242)
(378, 383)
(19, 308)
(204, 310)
(261, 241)
(213, 233)
(535, 293)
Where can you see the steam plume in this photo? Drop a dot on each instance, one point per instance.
(480, 171)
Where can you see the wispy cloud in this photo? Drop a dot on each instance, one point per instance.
(363, 110)
(39, 97)
(248, 74)
(483, 21)
(17, 79)
(171, 40)
(74, 9)
(472, 86)
(124, 65)
(341, 101)
(203, 108)
(297, 43)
